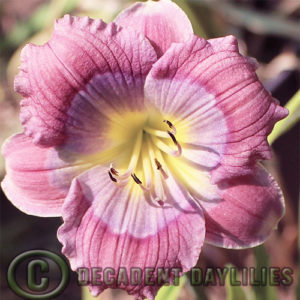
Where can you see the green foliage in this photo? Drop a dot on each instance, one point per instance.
(42, 18)
(171, 292)
(284, 125)
(258, 22)
(195, 20)
(266, 292)
(233, 292)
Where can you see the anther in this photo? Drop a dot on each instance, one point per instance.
(158, 164)
(171, 126)
(114, 171)
(176, 143)
(111, 177)
(160, 168)
(173, 138)
(135, 178)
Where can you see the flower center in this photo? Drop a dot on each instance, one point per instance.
(147, 139)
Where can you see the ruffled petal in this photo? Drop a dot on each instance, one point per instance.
(162, 22)
(250, 209)
(108, 226)
(38, 179)
(74, 82)
(217, 102)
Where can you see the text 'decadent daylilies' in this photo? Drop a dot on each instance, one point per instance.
(145, 138)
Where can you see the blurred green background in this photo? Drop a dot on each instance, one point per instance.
(268, 30)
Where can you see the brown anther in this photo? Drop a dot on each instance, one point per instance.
(179, 149)
(173, 138)
(158, 164)
(114, 171)
(135, 178)
(160, 168)
(111, 177)
(171, 126)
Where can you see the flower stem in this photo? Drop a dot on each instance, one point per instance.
(284, 125)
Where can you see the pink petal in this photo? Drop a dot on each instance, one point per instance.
(37, 179)
(59, 80)
(106, 226)
(217, 99)
(162, 22)
(250, 209)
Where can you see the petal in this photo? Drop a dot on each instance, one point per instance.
(162, 22)
(72, 83)
(250, 209)
(37, 179)
(217, 102)
(110, 226)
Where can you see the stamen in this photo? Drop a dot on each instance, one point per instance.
(136, 151)
(111, 177)
(133, 161)
(164, 147)
(146, 166)
(175, 142)
(160, 168)
(158, 164)
(122, 179)
(137, 180)
(114, 171)
(147, 151)
(171, 126)
(156, 132)
(158, 185)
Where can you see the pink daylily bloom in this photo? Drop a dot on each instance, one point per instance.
(146, 139)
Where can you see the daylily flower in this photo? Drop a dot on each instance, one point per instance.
(146, 139)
